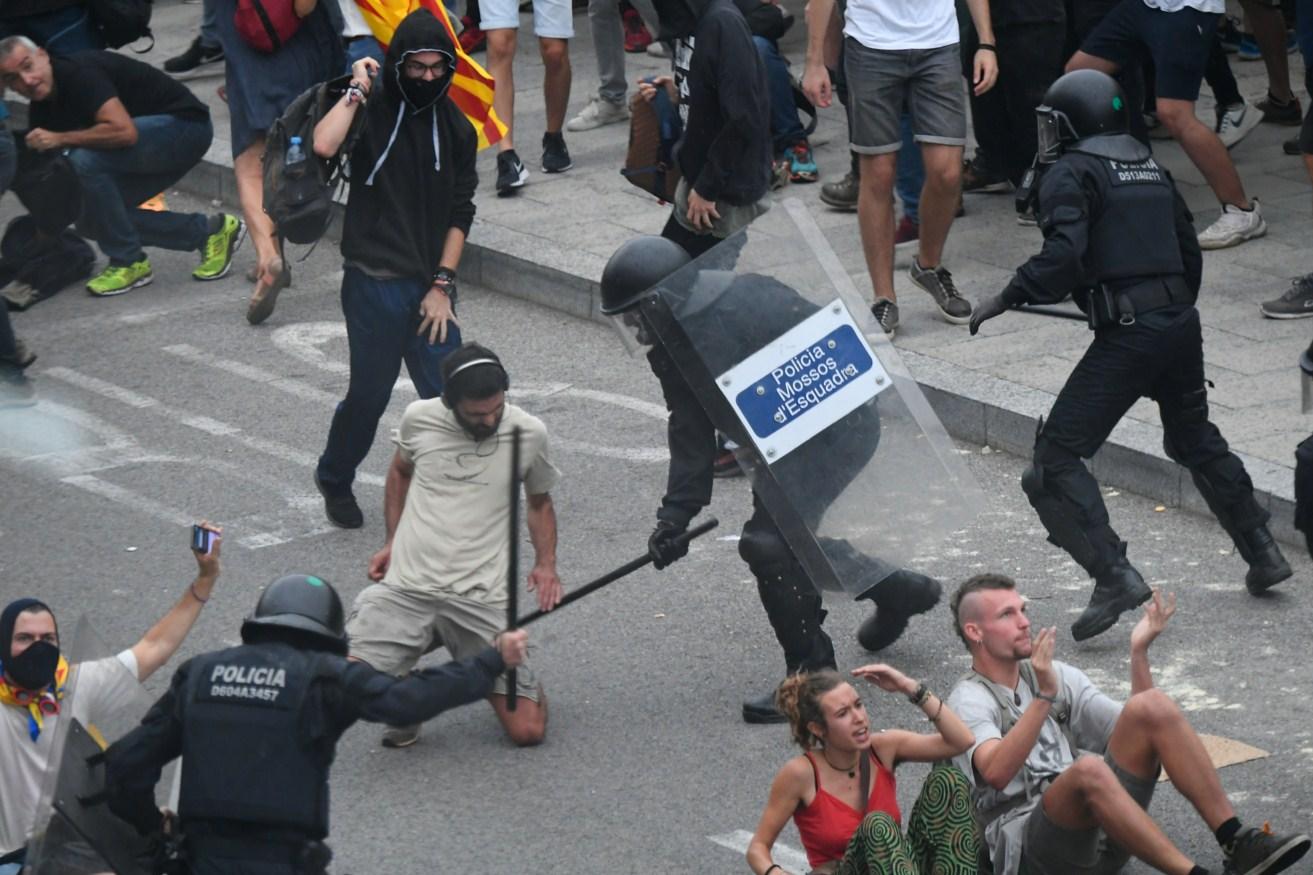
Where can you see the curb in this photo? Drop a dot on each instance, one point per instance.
(973, 406)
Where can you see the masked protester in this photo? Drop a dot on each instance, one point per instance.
(407, 216)
(33, 679)
(257, 726)
(441, 576)
(1118, 238)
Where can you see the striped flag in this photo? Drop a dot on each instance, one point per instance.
(471, 86)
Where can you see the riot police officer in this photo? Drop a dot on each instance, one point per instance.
(1119, 239)
(257, 726)
(753, 309)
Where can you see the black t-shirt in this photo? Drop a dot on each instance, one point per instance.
(84, 81)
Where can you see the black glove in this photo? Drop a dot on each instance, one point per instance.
(664, 546)
(988, 308)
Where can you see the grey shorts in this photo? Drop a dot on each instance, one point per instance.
(928, 82)
(1048, 849)
(392, 628)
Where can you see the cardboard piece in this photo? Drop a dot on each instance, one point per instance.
(1227, 752)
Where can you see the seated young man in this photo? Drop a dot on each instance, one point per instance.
(1048, 809)
(130, 132)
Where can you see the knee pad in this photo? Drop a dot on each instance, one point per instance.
(1181, 413)
(759, 546)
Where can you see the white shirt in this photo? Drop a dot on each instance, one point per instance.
(353, 22)
(895, 25)
(1215, 6)
(23, 762)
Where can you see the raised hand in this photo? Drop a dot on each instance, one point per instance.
(1041, 658)
(1157, 611)
(887, 678)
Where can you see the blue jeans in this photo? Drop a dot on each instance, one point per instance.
(785, 129)
(115, 181)
(382, 316)
(362, 47)
(61, 32)
(1304, 36)
(909, 172)
(210, 24)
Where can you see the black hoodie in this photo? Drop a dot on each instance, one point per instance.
(725, 152)
(412, 171)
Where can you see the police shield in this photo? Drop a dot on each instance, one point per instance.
(836, 437)
(74, 831)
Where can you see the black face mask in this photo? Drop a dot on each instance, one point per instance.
(34, 668)
(423, 93)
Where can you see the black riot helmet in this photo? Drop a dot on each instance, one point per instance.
(637, 266)
(1080, 104)
(303, 606)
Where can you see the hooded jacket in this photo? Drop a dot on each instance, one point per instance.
(412, 170)
(725, 152)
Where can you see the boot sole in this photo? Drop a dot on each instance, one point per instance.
(757, 718)
(1282, 858)
(1110, 617)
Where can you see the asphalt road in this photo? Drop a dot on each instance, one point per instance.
(162, 406)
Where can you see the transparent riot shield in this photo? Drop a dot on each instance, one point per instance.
(75, 833)
(836, 437)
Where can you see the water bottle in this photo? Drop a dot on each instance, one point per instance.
(295, 154)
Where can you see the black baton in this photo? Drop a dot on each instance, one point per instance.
(513, 563)
(1057, 312)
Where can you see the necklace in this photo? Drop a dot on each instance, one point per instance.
(851, 770)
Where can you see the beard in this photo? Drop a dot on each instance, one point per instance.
(476, 430)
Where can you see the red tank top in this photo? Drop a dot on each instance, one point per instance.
(827, 825)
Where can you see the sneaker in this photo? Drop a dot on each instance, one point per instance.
(1029, 218)
(197, 55)
(343, 512)
(1117, 590)
(907, 233)
(219, 249)
(401, 736)
(1291, 147)
(556, 158)
(1296, 303)
(599, 112)
(1277, 112)
(1235, 122)
(637, 36)
(762, 710)
(841, 195)
(939, 283)
(885, 312)
(1262, 852)
(119, 278)
(802, 165)
(472, 38)
(658, 50)
(511, 173)
(1247, 49)
(726, 466)
(780, 173)
(1234, 227)
(982, 181)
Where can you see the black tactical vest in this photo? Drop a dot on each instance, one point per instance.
(245, 757)
(1134, 235)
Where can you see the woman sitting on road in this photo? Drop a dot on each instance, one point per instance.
(843, 833)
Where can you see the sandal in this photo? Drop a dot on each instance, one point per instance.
(265, 297)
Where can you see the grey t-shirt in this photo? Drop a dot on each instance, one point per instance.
(1093, 716)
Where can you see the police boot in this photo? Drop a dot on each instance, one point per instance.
(897, 598)
(1267, 567)
(1118, 588)
(762, 710)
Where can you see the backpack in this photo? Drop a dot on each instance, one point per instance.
(121, 22)
(654, 129)
(266, 25)
(299, 199)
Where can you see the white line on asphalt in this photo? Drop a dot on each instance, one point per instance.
(202, 423)
(129, 498)
(791, 859)
(252, 373)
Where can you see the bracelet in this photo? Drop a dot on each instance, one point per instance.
(989, 47)
(192, 590)
(938, 711)
(919, 695)
(1052, 700)
(771, 868)
(443, 275)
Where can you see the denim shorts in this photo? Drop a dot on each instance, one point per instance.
(1178, 42)
(553, 19)
(928, 82)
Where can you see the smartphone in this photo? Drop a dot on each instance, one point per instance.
(202, 539)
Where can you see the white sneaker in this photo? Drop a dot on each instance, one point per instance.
(1235, 122)
(1234, 227)
(658, 49)
(598, 113)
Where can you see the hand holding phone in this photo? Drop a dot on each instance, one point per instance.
(203, 539)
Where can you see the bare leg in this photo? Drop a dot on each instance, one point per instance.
(250, 192)
(875, 220)
(1204, 148)
(1086, 61)
(1268, 25)
(526, 726)
(501, 60)
(943, 181)
(556, 80)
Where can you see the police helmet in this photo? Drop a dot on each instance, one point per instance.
(637, 266)
(303, 603)
(1080, 104)
(472, 371)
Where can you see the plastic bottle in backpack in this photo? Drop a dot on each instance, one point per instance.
(295, 154)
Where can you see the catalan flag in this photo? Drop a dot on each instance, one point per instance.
(471, 86)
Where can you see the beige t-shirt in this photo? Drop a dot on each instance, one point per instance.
(452, 536)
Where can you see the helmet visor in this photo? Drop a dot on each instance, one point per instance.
(1048, 146)
(633, 329)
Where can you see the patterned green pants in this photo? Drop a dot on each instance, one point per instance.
(941, 834)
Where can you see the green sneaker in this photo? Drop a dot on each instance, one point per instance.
(219, 249)
(118, 278)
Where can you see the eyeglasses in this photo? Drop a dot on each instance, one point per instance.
(416, 69)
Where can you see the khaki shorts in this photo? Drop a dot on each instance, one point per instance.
(392, 628)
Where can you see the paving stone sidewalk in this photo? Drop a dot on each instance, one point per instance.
(551, 241)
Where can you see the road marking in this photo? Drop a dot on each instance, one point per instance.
(214, 427)
(251, 372)
(128, 498)
(790, 858)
